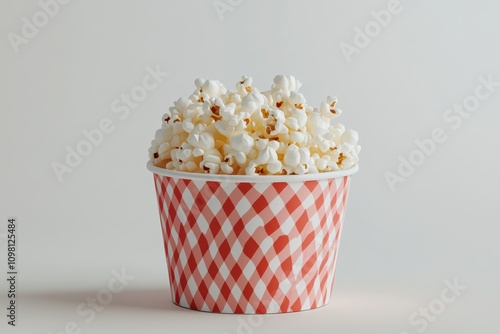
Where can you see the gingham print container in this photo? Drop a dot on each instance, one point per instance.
(251, 244)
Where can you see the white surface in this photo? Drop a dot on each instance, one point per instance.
(397, 247)
(353, 309)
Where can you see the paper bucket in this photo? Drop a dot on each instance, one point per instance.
(251, 244)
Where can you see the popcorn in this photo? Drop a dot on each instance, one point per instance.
(227, 165)
(296, 99)
(252, 102)
(211, 161)
(241, 143)
(297, 137)
(292, 156)
(328, 110)
(187, 125)
(350, 137)
(191, 166)
(250, 132)
(286, 84)
(267, 154)
(181, 105)
(244, 86)
(212, 88)
(230, 123)
(204, 140)
(321, 163)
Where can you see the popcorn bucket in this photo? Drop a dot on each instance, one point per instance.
(251, 244)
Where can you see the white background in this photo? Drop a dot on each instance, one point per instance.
(398, 247)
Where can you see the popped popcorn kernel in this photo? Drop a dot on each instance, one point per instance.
(253, 132)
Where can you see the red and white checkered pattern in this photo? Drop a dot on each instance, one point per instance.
(239, 247)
